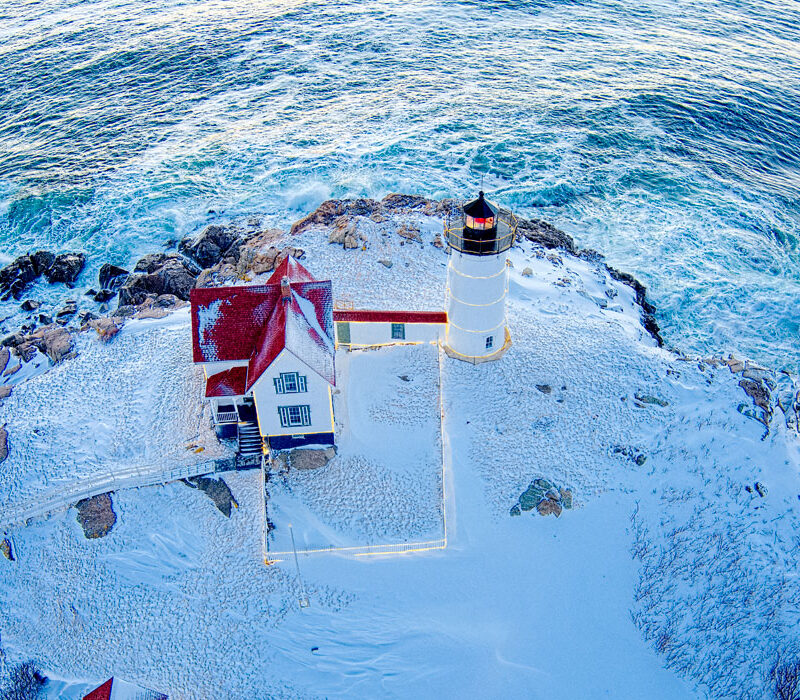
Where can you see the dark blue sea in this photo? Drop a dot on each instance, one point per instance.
(664, 134)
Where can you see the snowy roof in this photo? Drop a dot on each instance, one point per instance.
(253, 323)
(117, 689)
(231, 382)
(291, 269)
(366, 316)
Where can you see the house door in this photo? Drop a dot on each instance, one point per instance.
(343, 333)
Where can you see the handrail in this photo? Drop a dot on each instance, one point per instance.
(227, 417)
(132, 477)
(504, 239)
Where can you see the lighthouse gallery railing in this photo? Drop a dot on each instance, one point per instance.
(501, 242)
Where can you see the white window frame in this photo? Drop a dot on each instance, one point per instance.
(286, 379)
(298, 416)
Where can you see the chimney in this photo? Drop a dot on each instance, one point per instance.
(286, 290)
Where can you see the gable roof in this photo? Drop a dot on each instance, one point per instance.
(292, 269)
(116, 689)
(255, 324)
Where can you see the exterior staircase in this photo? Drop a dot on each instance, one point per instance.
(250, 443)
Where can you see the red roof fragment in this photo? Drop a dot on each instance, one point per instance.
(231, 382)
(366, 316)
(292, 269)
(101, 693)
(255, 324)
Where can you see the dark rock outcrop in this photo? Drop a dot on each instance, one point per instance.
(211, 246)
(112, 277)
(640, 291)
(65, 268)
(42, 261)
(157, 274)
(96, 515)
(104, 295)
(3, 444)
(217, 490)
(544, 234)
(15, 276)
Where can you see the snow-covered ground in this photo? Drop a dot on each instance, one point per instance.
(131, 403)
(385, 484)
(667, 579)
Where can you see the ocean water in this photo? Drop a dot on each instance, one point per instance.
(664, 134)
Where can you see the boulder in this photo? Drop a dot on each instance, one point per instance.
(106, 327)
(152, 261)
(56, 343)
(30, 305)
(105, 295)
(12, 341)
(548, 507)
(5, 356)
(65, 268)
(96, 515)
(3, 444)
(217, 490)
(566, 498)
(5, 548)
(310, 459)
(15, 276)
(409, 232)
(527, 272)
(67, 311)
(210, 246)
(157, 274)
(112, 277)
(167, 301)
(42, 260)
(5, 392)
(758, 391)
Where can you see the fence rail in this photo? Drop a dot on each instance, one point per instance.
(364, 550)
(134, 477)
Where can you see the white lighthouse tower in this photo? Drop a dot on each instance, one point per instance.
(477, 282)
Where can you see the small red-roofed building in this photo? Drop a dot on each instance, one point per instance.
(117, 689)
(269, 354)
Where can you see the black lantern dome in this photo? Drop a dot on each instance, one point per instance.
(482, 231)
(479, 215)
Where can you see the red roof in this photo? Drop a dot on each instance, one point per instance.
(231, 382)
(363, 316)
(252, 323)
(292, 269)
(101, 693)
(117, 689)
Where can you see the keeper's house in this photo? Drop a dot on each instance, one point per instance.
(268, 353)
(269, 360)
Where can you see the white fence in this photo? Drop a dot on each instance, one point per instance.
(364, 550)
(134, 477)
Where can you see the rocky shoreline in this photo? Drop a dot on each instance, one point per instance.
(241, 249)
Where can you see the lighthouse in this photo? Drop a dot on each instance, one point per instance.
(477, 282)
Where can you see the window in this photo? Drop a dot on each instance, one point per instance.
(290, 383)
(343, 332)
(489, 341)
(293, 416)
(398, 331)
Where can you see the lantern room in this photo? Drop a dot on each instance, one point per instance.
(482, 230)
